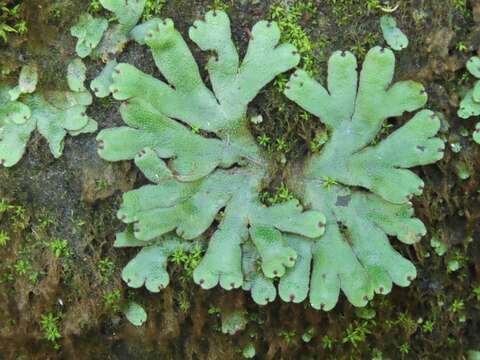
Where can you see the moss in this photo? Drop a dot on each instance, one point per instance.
(153, 8)
(11, 19)
(290, 19)
(49, 325)
(94, 6)
(222, 5)
(112, 300)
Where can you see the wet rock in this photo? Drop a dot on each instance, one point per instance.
(476, 10)
(439, 42)
(101, 180)
(440, 63)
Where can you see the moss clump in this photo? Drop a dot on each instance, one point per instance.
(11, 21)
(290, 19)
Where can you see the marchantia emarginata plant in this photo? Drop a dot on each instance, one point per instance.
(394, 37)
(54, 113)
(363, 186)
(470, 104)
(97, 39)
(194, 145)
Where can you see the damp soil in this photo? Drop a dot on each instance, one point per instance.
(75, 198)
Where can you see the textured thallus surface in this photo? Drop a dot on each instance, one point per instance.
(470, 104)
(363, 187)
(193, 144)
(55, 114)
